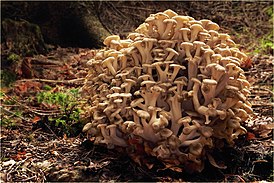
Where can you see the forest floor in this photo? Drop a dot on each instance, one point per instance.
(41, 139)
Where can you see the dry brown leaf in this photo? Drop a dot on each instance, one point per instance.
(36, 119)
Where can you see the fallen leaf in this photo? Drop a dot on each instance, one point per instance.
(36, 119)
(250, 136)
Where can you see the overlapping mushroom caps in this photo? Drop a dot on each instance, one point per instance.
(175, 84)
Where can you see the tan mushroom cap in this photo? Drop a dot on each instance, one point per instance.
(110, 38)
(210, 81)
(108, 63)
(136, 102)
(170, 13)
(187, 46)
(195, 29)
(212, 26)
(143, 114)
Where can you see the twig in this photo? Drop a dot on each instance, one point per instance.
(265, 89)
(91, 151)
(73, 81)
(27, 179)
(51, 130)
(17, 115)
(44, 62)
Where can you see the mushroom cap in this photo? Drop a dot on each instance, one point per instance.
(135, 102)
(195, 80)
(153, 40)
(172, 50)
(170, 21)
(118, 100)
(170, 13)
(193, 22)
(187, 44)
(144, 77)
(165, 133)
(157, 88)
(115, 88)
(208, 51)
(224, 36)
(205, 22)
(212, 26)
(184, 29)
(130, 81)
(132, 36)
(178, 66)
(198, 43)
(180, 18)
(153, 108)
(196, 26)
(113, 95)
(126, 95)
(87, 127)
(232, 88)
(213, 33)
(161, 16)
(148, 82)
(143, 114)
(150, 19)
(108, 60)
(186, 119)
(110, 38)
(210, 81)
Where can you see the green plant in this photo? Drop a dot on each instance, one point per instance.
(13, 57)
(266, 44)
(9, 119)
(68, 120)
(7, 78)
(47, 87)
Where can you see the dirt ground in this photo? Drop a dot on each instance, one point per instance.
(33, 149)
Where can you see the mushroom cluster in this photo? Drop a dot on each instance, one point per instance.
(174, 86)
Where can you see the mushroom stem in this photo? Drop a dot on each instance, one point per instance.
(175, 109)
(192, 71)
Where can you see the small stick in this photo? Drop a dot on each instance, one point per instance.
(73, 81)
